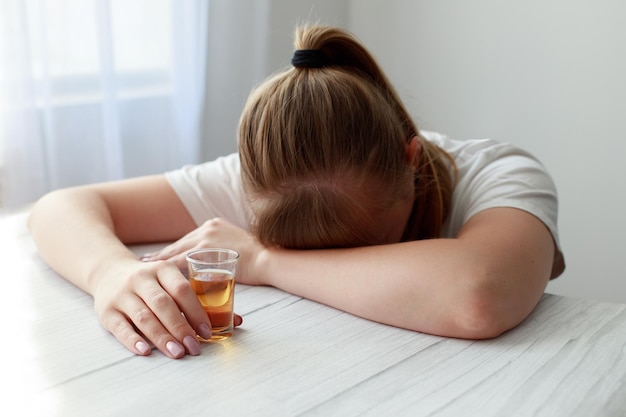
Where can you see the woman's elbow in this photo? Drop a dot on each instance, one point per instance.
(491, 308)
(479, 318)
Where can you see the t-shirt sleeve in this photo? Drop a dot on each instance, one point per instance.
(493, 174)
(212, 189)
(515, 180)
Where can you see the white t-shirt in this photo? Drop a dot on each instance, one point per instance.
(490, 174)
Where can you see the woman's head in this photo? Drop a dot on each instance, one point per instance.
(323, 149)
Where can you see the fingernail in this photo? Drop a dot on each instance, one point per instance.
(174, 349)
(192, 345)
(145, 257)
(142, 347)
(204, 331)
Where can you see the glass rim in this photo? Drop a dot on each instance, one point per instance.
(233, 255)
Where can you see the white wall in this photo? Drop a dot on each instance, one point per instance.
(549, 75)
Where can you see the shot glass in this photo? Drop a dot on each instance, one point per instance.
(212, 277)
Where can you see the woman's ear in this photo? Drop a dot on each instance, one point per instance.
(413, 149)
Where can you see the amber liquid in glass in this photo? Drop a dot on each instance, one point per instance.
(215, 290)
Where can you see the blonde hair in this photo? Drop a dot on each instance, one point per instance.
(324, 149)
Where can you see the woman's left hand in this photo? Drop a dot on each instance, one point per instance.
(214, 233)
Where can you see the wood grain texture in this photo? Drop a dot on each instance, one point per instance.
(295, 357)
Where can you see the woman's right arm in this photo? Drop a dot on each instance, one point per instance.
(82, 234)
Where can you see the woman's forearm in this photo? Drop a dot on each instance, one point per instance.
(82, 231)
(75, 235)
(446, 287)
(380, 283)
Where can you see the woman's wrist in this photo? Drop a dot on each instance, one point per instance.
(259, 271)
(107, 267)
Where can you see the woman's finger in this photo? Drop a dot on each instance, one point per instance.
(146, 322)
(160, 319)
(119, 326)
(180, 291)
(163, 253)
(180, 259)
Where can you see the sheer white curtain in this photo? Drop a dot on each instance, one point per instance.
(96, 90)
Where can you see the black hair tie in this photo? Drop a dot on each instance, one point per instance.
(309, 58)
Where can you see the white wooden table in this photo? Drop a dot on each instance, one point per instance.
(294, 357)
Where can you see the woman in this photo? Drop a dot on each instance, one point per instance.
(334, 196)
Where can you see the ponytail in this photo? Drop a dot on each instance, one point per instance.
(339, 48)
